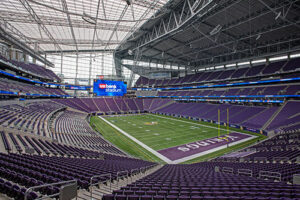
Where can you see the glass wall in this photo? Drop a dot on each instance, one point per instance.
(101, 64)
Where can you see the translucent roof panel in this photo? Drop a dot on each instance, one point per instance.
(56, 25)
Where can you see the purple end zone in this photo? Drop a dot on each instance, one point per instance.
(175, 153)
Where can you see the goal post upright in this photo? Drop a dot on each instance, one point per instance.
(218, 122)
(227, 121)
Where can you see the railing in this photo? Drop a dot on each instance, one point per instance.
(296, 179)
(72, 192)
(276, 148)
(99, 176)
(137, 170)
(298, 159)
(243, 159)
(268, 174)
(247, 172)
(259, 159)
(144, 169)
(120, 176)
(281, 159)
(292, 147)
(228, 170)
(29, 150)
(73, 153)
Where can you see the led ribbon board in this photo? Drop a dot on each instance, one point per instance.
(109, 88)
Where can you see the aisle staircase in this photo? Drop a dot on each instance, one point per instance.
(97, 191)
(274, 116)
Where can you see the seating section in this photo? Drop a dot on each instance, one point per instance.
(260, 119)
(44, 146)
(250, 73)
(287, 116)
(28, 89)
(286, 170)
(32, 170)
(283, 148)
(50, 120)
(30, 118)
(239, 115)
(199, 181)
(32, 69)
(65, 148)
(71, 128)
(282, 142)
(251, 117)
(103, 105)
(292, 89)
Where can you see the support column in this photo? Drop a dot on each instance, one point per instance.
(118, 66)
(76, 74)
(90, 74)
(61, 63)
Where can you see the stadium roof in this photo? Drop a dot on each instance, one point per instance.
(201, 33)
(75, 25)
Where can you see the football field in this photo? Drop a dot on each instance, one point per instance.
(160, 133)
(169, 139)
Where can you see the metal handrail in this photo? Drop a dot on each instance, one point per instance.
(260, 159)
(269, 174)
(98, 176)
(281, 159)
(245, 172)
(133, 170)
(47, 185)
(146, 168)
(121, 176)
(73, 153)
(227, 170)
(141, 169)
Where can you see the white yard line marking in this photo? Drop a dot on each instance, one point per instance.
(167, 160)
(195, 123)
(185, 158)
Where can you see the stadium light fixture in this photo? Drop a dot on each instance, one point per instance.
(295, 55)
(219, 67)
(244, 63)
(258, 61)
(231, 65)
(278, 58)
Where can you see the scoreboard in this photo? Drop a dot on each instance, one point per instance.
(109, 88)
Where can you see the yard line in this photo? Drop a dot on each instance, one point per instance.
(137, 141)
(191, 123)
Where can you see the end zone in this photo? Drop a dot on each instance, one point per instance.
(193, 150)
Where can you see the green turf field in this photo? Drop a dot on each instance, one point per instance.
(160, 133)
